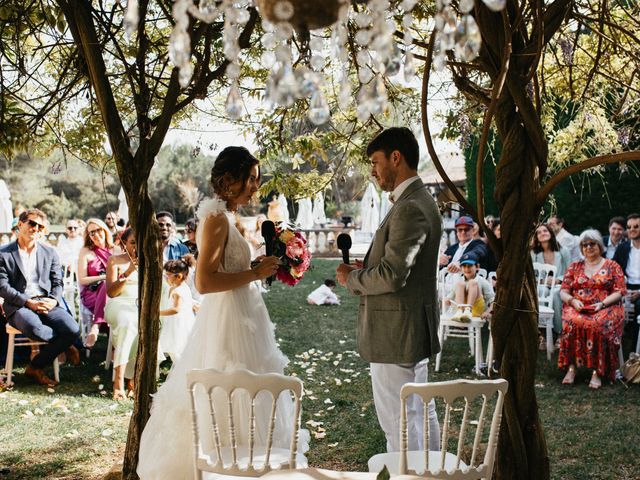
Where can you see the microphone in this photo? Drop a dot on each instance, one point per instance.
(268, 230)
(344, 245)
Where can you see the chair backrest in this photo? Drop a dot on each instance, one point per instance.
(492, 277)
(221, 390)
(481, 272)
(546, 281)
(470, 402)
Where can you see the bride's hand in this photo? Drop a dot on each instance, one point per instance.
(266, 268)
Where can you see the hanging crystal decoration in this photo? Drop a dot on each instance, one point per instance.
(377, 54)
(233, 106)
(495, 5)
(131, 18)
(468, 39)
(319, 111)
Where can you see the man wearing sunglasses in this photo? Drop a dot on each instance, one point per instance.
(628, 257)
(31, 286)
(69, 247)
(172, 248)
(466, 244)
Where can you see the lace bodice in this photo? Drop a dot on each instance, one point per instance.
(237, 253)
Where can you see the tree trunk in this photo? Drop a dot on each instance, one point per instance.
(149, 290)
(522, 451)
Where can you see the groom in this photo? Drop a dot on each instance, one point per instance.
(398, 317)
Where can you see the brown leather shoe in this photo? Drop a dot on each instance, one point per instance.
(39, 376)
(73, 355)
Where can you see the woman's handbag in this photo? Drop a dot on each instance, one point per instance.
(631, 368)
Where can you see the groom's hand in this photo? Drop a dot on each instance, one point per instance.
(343, 271)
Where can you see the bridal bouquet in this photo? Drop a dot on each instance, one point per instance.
(291, 246)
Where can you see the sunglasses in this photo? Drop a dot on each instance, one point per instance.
(589, 244)
(72, 228)
(463, 229)
(36, 225)
(632, 227)
(96, 232)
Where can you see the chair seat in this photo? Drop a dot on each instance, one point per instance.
(278, 457)
(415, 461)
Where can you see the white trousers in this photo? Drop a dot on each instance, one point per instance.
(387, 379)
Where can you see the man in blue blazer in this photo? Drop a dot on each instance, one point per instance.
(466, 244)
(31, 287)
(172, 248)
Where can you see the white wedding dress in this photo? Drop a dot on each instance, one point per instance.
(232, 331)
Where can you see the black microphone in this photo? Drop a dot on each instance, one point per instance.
(268, 230)
(344, 245)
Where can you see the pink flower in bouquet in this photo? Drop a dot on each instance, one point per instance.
(296, 247)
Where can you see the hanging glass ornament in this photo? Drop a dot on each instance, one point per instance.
(234, 106)
(319, 111)
(465, 5)
(468, 39)
(495, 5)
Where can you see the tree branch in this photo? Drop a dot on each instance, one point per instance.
(427, 131)
(546, 189)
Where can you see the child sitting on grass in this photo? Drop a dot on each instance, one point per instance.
(472, 294)
(178, 319)
(323, 295)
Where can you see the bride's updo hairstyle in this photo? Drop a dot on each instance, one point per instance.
(232, 164)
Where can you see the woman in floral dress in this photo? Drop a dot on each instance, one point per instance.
(592, 315)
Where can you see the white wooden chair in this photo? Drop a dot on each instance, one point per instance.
(469, 405)
(546, 275)
(472, 330)
(240, 460)
(18, 339)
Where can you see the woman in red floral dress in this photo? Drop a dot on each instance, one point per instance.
(592, 315)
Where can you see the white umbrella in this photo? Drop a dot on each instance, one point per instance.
(123, 208)
(305, 213)
(6, 209)
(284, 209)
(385, 205)
(370, 210)
(319, 217)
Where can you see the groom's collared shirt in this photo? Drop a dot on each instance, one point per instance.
(29, 264)
(399, 190)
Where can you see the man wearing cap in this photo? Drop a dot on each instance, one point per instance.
(31, 286)
(466, 244)
(397, 328)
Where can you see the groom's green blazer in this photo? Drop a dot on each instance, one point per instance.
(399, 315)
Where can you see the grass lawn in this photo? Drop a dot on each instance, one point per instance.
(78, 432)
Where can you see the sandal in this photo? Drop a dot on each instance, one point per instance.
(570, 377)
(595, 383)
(119, 395)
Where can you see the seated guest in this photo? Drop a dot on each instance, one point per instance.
(616, 235)
(92, 269)
(592, 317)
(111, 221)
(121, 312)
(324, 295)
(31, 286)
(190, 228)
(546, 249)
(69, 247)
(628, 257)
(472, 295)
(466, 244)
(564, 238)
(172, 248)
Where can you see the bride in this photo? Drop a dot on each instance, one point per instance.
(232, 329)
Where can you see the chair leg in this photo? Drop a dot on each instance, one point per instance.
(478, 355)
(549, 338)
(441, 339)
(56, 370)
(8, 366)
(472, 341)
(489, 354)
(620, 357)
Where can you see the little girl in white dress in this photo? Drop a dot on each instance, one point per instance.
(178, 319)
